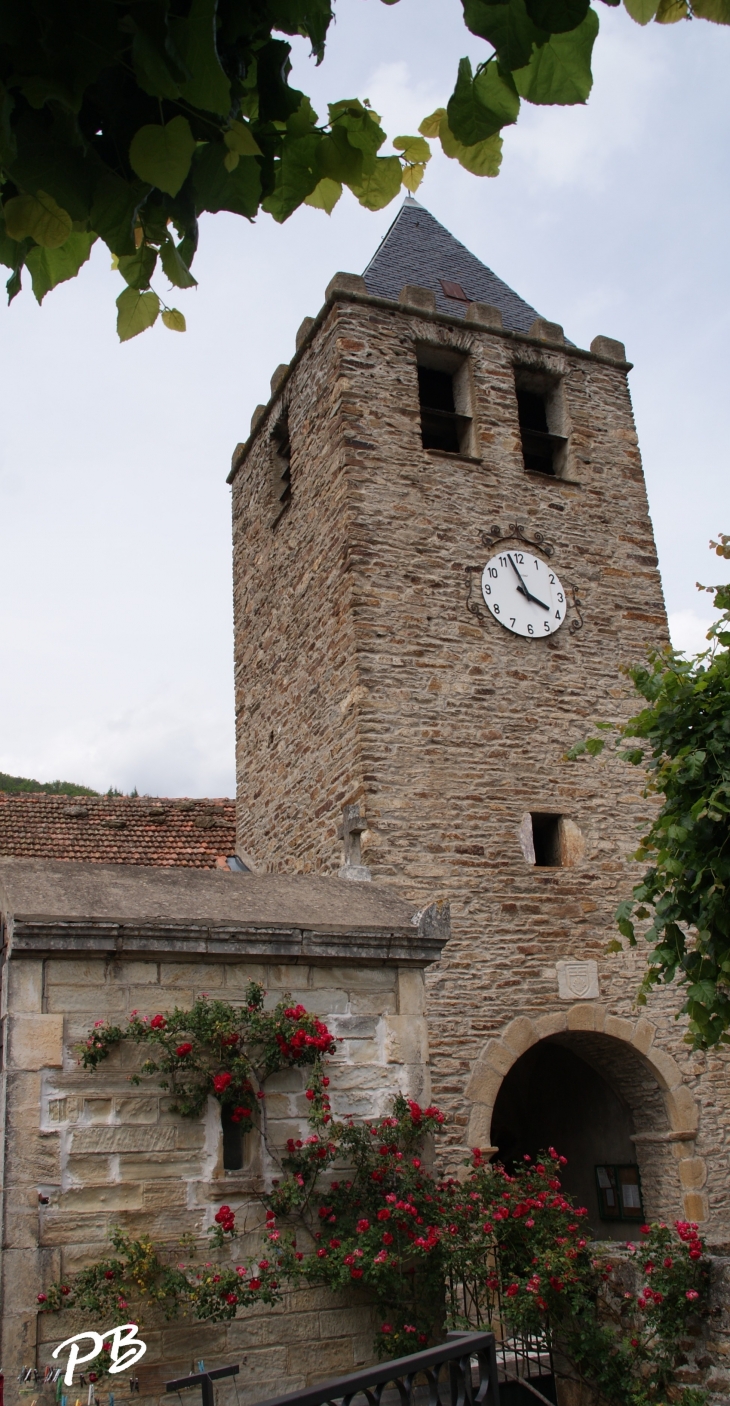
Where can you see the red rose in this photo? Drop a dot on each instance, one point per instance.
(183, 1050)
(221, 1082)
(231, 1298)
(42, 1298)
(356, 1274)
(384, 1214)
(310, 1094)
(362, 1226)
(387, 1328)
(65, 1289)
(239, 1113)
(254, 1283)
(108, 1273)
(158, 1022)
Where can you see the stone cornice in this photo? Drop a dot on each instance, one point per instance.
(37, 937)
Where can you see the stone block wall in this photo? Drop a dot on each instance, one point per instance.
(363, 677)
(103, 1152)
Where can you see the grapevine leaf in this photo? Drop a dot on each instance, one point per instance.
(174, 320)
(642, 11)
(137, 269)
(325, 195)
(414, 149)
(507, 27)
(208, 88)
(216, 188)
(430, 126)
(162, 155)
(175, 267)
(560, 70)
(136, 312)
(381, 184)
(37, 217)
(413, 175)
(482, 159)
(49, 267)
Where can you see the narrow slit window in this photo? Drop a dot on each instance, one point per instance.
(232, 1142)
(546, 839)
(281, 468)
(444, 399)
(542, 448)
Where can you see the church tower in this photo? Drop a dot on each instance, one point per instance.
(443, 557)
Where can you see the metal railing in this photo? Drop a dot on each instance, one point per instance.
(460, 1372)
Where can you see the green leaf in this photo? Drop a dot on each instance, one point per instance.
(414, 149)
(325, 195)
(162, 155)
(430, 126)
(641, 10)
(49, 267)
(595, 745)
(337, 159)
(115, 209)
(380, 185)
(37, 217)
(716, 10)
(215, 188)
(479, 106)
(157, 64)
(240, 138)
(482, 159)
(174, 320)
(136, 312)
(137, 269)
(557, 16)
(297, 174)
(175, 267)
(413, 175)
(560, 71)
(508, 27)
(208, 88)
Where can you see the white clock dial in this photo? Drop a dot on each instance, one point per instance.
(524, 594)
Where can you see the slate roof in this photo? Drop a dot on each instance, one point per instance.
(417, 249)
(197, 834)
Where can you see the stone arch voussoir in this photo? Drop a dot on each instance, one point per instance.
(499, 1054)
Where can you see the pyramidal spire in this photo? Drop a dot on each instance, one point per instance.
(417, 249)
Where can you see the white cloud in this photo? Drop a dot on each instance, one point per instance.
(688, 631)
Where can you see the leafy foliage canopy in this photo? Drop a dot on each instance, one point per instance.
(683, 737)
(125, 120)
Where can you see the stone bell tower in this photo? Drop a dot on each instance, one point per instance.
(403, 714)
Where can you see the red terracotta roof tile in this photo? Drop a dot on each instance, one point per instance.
(193, 834)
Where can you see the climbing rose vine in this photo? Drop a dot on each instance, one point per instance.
(216, 1048)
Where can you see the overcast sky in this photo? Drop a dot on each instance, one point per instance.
(115, 623)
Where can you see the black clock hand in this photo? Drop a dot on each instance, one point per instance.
(522, 588)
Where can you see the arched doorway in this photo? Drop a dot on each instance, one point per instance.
(595, 1087)
(553, 1097)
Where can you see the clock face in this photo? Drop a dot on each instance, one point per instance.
(524, 594)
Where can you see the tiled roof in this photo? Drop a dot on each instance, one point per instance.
(417, 249)
(198, 834)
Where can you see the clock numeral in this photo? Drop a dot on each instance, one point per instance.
(530, 630)
(561, 597)
(557, 615)
(512, 620)
(519, 558)
(495, 608)
(487, 590)
(552, 579)
(492, 571)
(537, 564)
(546, 626)
(503, 561)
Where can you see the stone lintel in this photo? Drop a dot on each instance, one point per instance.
(405, 947)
